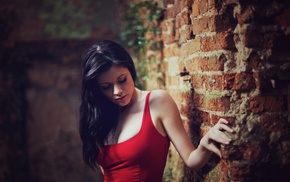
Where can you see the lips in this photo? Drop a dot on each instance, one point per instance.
(120, 98)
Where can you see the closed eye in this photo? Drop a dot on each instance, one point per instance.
(105, 87)
(123, 80)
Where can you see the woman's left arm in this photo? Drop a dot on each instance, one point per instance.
(164, 106)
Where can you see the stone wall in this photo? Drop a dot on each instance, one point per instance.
(230, 59)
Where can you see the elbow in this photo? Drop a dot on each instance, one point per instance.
(195, 168)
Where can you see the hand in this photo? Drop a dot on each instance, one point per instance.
(216, 135)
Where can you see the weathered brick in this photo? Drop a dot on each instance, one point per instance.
(221, 23)
(228, 81)
(170, 51)
(223, 40)
(200, 117)
(185, 34)
(254, 61)
(169, 2)
(262, 82)
(253, 38)
(274, 122)
(185, 3)
(238, 171)
(212, 63)
(208, 102)
(170, 13)
(243, 81)
(168, 31)
(195, 9)
(268, 103)
(189, 48)
(200, 25)
(217, 104)
(213, 82)
(183, 18)
(215, 118)
(282, 20)
(245, 16)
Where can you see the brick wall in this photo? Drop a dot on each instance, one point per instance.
(231, 59)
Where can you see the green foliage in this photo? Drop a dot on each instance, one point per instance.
(142, 19)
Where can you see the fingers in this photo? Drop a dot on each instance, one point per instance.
(216, 135)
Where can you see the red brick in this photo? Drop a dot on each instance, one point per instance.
(238, 171)
(189, 48)
(243, 81)
(245, 16)
(282, 20)
(212, 63)
(185, 34)
(197, 81)
(215, 118)
(170, 51)
(213, 104)
(168, 29)
(223, 40)
(273, 122)
(254, 61)
(221, 23)
(253, 38)
(170, 13)
(216, 63)
(183, 18)
(213, 82)
(195, 9)
(200, 117)
(261, 81)
(217, 104)
(200, 25)
(185, 3)
(168, 2)
(228, 81)
(268, 103)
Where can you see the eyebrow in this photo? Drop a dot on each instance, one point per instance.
(117, 78)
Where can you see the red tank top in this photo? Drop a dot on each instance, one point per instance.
(141, 158)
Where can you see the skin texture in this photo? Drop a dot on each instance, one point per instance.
(118, 86)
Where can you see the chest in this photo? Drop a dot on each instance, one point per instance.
(129, 125)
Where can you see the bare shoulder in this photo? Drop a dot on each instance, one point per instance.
(161, 100)
(159, 96)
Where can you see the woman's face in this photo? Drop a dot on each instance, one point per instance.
(117, 85)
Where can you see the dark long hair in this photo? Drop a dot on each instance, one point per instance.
(98, 115)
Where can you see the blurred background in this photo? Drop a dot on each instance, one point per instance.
(217, 58)
(42, 46)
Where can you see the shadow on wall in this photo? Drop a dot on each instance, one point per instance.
(44, 128)
(42, 45)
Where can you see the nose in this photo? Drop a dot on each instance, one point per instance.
(117, 89)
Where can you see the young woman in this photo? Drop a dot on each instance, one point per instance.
(127, 131)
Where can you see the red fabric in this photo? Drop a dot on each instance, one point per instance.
(141, 158)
